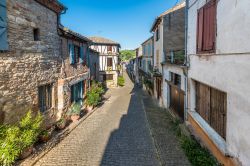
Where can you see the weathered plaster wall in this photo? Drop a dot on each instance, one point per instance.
(28, 63)
(226, 70)
(158, 45)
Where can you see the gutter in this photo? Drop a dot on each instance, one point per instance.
(186, 60)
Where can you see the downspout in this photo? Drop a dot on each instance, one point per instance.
(186, 60)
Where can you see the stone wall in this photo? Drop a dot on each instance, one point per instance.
(174, 28)
(70, 75)
(28, 63)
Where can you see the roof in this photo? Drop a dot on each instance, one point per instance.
(151, 38)
(158, 19)
(70, 33)
(53, 5)
(102, 40)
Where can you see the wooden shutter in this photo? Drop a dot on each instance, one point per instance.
(109, 62)
(3, 26)
(218, 111)
(209, 25)
(200, 30)
(203, 101)
(81, 54)
(71, 54)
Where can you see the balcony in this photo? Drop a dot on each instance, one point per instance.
(175, 57)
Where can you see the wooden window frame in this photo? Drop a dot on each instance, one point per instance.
(76, 54)
(45, 97)
(109, 48)
(206, 25)
(211, 105)
(108, 62)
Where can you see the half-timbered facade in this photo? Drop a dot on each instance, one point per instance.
(108, 59)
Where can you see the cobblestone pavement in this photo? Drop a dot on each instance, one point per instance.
(116, 134)
(168, 148)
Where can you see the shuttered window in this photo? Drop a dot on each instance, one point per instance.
(71, 54)
(77, 53)
(45, 97)
(109, 62)
(77, 91)
(206, 27)
(109, 48)
(3, 26)
(211, 104)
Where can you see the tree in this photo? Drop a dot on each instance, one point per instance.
(126, 55)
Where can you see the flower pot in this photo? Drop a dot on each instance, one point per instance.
(61, 126)
(90, 108)
(26, 153)
(44, 138)
(75, 118)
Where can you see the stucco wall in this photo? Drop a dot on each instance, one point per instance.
(158, 45)
(226, 70)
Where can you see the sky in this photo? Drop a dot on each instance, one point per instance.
(125, 21)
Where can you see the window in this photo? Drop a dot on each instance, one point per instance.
(45, 97)
(3, 26)
(175, 79)
(77, 53)
(77, 91)
(107, 77)
(157, 36)
(109, 48)
(206, 25)
(109, 62)
(36, 34)
(211, 105)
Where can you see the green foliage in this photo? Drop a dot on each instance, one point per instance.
(126, 55)
(14, 139)
(197, 155)
(148, 83)
(75, 108)
(121, 81)
(94, 94)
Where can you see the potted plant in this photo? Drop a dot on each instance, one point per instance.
(61, 124)
(92, 100)
(29, 131)
(74, 111)
(44, 136)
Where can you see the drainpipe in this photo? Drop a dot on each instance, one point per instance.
(187, 61)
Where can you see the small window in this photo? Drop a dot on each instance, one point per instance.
(36, 33)
(77, 53)
(157, 36)
(109, 62)
(109, 48)
(175, 79)
(108, 77)
(45, 97)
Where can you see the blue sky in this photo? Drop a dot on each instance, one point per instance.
(125, 21)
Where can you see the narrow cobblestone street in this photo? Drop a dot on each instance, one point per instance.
(117, 133)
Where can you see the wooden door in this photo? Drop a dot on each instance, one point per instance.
(177, 101)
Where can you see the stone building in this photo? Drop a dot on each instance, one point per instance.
(108, 59)
(30, 57)
(75, 74)
(174, 61)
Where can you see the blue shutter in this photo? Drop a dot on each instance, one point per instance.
(3, 26)
(71, 54)
(81, 54)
